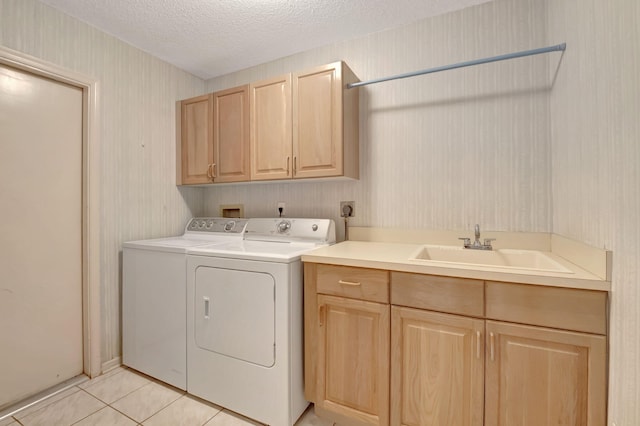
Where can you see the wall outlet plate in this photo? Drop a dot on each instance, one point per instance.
(347, 208)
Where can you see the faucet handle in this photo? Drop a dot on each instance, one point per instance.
(467, 241)
(487, 241)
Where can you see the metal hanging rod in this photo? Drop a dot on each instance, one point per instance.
(556, 48)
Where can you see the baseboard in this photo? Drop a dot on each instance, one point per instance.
(110, 365)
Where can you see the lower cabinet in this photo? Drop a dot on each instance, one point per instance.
(391, 348)
(539, 376)
(353, 360)
(437, 368)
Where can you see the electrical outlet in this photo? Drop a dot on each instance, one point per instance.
(280, 208)
(347, 208)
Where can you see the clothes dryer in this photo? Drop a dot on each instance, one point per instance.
(245, 318)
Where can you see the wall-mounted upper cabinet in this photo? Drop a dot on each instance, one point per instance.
(194, 143)
(325, 122)
(231, 135)
(213, 138)
(271, 156)
(300, 125)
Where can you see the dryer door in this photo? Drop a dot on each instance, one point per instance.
(235, 314)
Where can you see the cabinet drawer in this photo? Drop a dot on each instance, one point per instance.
(565, 308)
(356, 283)
(443, 294)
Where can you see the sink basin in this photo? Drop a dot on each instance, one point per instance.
(502, 258)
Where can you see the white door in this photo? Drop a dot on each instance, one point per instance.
(40, 233)
(234, 314)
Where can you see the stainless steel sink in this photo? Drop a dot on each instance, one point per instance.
(502, 258)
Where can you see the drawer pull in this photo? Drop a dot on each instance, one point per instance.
(478, 337)
(351, 283)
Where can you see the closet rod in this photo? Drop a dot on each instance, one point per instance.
(557, 47)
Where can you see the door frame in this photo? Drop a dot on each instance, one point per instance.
(90, 195)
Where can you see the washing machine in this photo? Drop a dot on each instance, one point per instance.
(245, 318)
(154, 295)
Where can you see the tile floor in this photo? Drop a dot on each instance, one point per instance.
(123, 397)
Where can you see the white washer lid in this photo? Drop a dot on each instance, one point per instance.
(180, 244)
(198, 231)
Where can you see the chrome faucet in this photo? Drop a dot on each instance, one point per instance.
(477, 245)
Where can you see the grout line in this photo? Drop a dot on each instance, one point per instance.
(160, 410)
(90, 414)
(97, 399)
(125, 395)
(182, 394)
(118, 411)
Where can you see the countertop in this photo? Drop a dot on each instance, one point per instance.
(396, 257)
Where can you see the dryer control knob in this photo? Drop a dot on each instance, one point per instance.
(284, 226)
(228, 227)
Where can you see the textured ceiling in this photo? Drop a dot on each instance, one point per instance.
(214, 37)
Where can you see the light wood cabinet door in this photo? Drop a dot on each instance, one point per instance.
(325, 122)
(353, 361)
(539, 376)
(231, 135)
(196, 140)
(271, 155)
(437, 368)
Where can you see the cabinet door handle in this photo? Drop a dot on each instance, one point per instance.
(492, 344)
(351, 283)
(206, 307)
(209, 172)
(295, 164)
(321, 315)
(213, 170)
(478, 344)
(288, 158)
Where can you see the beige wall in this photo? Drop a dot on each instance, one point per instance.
(446, 150)
(595, 109)
(136, 103)
(493, 144)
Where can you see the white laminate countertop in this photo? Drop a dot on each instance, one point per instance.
(396, 257)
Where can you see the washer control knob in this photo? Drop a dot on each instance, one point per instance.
(314, 227)
(228, 227)
(209, 223)
(201, 224)
(284, 226)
